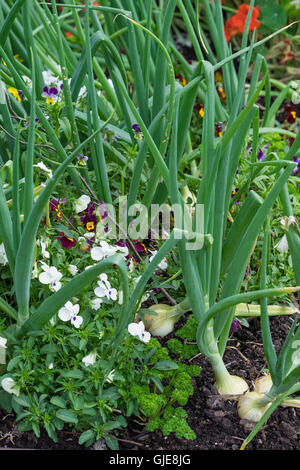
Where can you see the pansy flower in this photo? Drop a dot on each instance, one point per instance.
(199, 108)
(82, 159)
(3, 257)
(218, 76)
(43, 167)
(138, 329)
(9, 385)
(218, 129)
(104, 288)
(90, 359)
(50, 276)
(235, 326)
(55, 206)
(233, 193)
(291, 113)
(89, 221)
(51, 94)
(260, 155)
(35, 122)
(81, 203)
(182, 80)
(66, 242)
(221, 91)
(51, 79)
(103, 251)
(69, 313)
(136, 128)
(16, 93)
(296, 170)
(163, 264)
(137, 131)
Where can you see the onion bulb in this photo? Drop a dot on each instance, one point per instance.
(263, 384)
(163, 322)
(252, 406)
(231, 385)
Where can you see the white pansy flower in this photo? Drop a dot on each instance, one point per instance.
(104, 288)
(138, 329)
(282, 246)
(111, 376)
(163, 264)
(34, 274)
(3, 257)
(43, 167)
(123, 250)
(9, 385)
(49, 78)
(82, 92)
(103, 251)
(69, 313)
(95, 303)
(72, 269)
(50, 365)
(50, 276)
(82, 203)
(27, 81)
(43, 243)
(89, 235)
(90, 359)
(3, 346)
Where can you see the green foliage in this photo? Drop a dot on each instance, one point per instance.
(161, 407)
(188, 331)
(173, 421)
(175, 346)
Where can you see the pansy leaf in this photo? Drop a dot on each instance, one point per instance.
(58, 401)
(166, 365)
(67, 416)
(86, 436)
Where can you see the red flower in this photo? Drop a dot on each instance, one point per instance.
(236, 24)
(96, 4)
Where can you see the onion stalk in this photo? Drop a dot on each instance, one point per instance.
(225, 383)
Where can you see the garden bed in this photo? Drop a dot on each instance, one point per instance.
(214, 420)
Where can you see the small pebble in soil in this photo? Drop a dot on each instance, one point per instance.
(99, 445)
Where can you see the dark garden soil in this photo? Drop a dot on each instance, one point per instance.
(214, 420)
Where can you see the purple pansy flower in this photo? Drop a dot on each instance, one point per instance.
(50, 93)
(235, 326)
(89, 221)
(296, 170)
(136, 128)
(66, 242)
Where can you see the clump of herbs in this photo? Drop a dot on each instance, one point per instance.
(162, 404)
